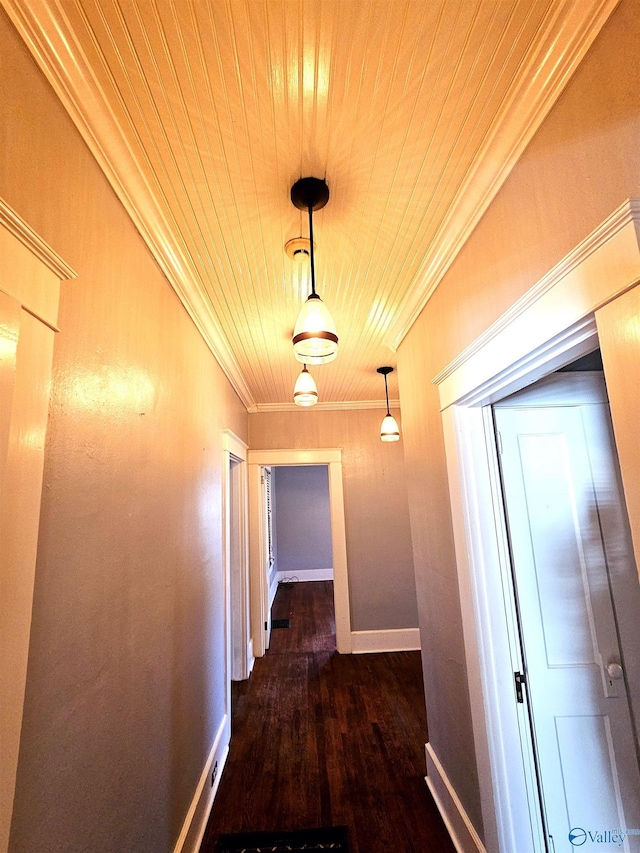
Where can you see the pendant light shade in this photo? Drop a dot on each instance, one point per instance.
(389, 430)
(305, 392)
(315, 339)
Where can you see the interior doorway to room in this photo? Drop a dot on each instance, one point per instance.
(239, 651)
(577, 607)
(297, 528)
(263, 581)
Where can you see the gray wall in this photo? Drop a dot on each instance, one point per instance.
(303, 522)
(125, 684)
(582, 164)
(379, 556)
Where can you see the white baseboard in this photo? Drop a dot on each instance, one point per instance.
(195, 822)
(307, 575)
(392, 640)
(465, 838)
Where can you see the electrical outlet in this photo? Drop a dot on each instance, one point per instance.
(214, 773)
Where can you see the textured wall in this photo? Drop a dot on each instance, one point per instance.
(302, 518)
(580, 167)
(125, 679)
(380, 561)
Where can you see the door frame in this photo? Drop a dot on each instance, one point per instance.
(234, 469)
(30, 276)
(332, 458)
(553, 324)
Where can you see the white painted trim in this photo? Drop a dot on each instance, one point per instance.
(332, 458)
(602, 267)
(234, 445)
(561, 45)
(624, 216)
(463, 834)
(490, 632)
(390, 640)
(14, 223)
(235, 451)
(327, 406)
(302, 456)
(195, 823)
(305, 575)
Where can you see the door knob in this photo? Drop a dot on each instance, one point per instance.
(614, 671)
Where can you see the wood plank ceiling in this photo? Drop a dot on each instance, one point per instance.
(204, 113)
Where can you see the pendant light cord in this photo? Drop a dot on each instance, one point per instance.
(386, 393)
(313, 270)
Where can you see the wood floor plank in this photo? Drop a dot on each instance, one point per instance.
(322, 739)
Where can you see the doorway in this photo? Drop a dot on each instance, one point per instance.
(301, 523)
(576, 605)
(299, 535)
(331, 459)
(239, 655)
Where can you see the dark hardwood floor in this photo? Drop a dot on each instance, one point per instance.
(322, 739)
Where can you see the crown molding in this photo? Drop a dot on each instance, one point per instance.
(343, 406)
(561, 47)
(602, 240)
(14, 223)
(48, 35)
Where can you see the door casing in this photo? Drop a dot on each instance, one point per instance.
(236, 559)
(332, 458)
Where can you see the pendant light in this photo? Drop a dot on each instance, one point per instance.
(305, 392)
(315, 340)
(389, 430)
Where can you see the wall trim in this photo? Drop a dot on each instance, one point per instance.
(559, 306)
(332, 458)
(305, 575)
(302, 456)
(195, 823)
(344, 405)
(390, 640)
(561, 46)
(628, 213)
(14, 223)
(463, 834)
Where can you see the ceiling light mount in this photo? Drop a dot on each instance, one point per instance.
(310, 193)
(389, 430)
(298, 248)
(315, 339)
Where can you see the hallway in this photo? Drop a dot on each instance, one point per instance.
(322, 739)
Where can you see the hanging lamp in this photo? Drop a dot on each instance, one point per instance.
(389, 430)
(305, 392)
(315, 340)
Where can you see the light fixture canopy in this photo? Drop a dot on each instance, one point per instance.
(305, 392)
(389, 429)
(315, 339)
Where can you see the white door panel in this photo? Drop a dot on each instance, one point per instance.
(569, 573)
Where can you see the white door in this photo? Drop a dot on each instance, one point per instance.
(578, 600)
